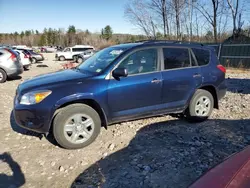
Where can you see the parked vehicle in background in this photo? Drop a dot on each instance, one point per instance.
(122, 83)
(69, 52)
(35, 57)
(50, 49)
(21, 47)
(10, 64)
(79, 58)
(25, 59)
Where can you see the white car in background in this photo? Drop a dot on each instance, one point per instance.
(69, 52)
(25, 59)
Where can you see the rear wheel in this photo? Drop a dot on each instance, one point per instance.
(3, 76)
(33, 60)
(76, 126)
(61, 58)
(200, 107)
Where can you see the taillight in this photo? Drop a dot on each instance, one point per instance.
(26, 56)
(13, 56)
(222, 68)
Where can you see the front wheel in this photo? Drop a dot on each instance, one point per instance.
(76, 126)
(61, 58)
(200, 106)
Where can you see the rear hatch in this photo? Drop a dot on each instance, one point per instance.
(15, 57)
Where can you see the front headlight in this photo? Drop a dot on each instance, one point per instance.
(34, 97)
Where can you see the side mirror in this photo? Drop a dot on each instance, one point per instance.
(120, 72)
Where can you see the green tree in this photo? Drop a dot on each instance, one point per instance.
(71, 29)
(209, 36)
(16, 34)
(87, 32)
(50, 36)
(42, 41)
(107, 32)
(132, 38)
(159, 35)
(37, 32)
(22, 34)
(27, 33)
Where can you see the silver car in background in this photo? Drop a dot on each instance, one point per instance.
(10, 64)
(35, 57)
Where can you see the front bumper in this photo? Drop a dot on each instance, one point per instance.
(32, 117)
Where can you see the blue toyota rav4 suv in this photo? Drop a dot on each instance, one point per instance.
(121, 83)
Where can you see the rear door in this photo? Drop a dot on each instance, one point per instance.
(181, 76)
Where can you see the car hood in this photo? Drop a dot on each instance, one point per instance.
(52, 78)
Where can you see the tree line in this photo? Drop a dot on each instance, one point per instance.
(189, 19)
(57, 37)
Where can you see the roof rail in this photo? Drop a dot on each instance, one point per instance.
(186, 42)
(168, 41)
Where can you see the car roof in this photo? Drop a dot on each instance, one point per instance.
(149, 43)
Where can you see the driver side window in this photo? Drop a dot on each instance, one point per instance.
(142, 61)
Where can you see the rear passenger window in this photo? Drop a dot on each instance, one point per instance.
(175, 58)
(202, 56)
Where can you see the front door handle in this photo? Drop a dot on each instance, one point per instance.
(156, 81)
(196, 75)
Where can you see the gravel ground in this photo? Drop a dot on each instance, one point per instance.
(155, 152)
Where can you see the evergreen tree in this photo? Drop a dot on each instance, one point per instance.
(107, 32)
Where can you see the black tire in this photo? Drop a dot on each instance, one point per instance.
(3, 76)
(191, 113)
(75, 58)
(61, 58)
(33, 60)
(79, 60)
(61, 119)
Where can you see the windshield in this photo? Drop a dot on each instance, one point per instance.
(66, 50)
(101, 60)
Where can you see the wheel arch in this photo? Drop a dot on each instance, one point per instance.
(3, 69)
(212, 90)
(90, 102)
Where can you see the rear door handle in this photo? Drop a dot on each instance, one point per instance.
(156, 81)
(196, 75)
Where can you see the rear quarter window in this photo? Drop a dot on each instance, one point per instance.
(202, 56)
